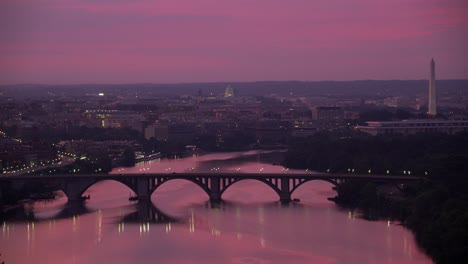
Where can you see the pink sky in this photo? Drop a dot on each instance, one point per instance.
(128, 41)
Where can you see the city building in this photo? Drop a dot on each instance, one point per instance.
(114, 119)
(229, 92)
(272, 131)
(303, 129)
(328, 117)
(407, 127)
(183, 132)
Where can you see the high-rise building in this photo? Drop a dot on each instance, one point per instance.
(328, 117)
(432, 91)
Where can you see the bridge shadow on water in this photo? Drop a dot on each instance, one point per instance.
(139, 212)
(148, 212)
(229, 205)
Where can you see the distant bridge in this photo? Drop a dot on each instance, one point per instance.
(214, 184)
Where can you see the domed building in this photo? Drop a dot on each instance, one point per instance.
(229, 92)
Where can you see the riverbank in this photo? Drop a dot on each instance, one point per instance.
(437, 219)
(435, 210)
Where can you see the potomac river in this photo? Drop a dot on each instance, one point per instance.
(249, 227)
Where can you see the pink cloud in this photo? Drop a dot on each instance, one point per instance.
(211, 40)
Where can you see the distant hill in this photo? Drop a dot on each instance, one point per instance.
(297, 88)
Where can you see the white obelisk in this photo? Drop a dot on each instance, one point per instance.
(432, 91)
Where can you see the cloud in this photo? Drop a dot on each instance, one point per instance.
(249, 39)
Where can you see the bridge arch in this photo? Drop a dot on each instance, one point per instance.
(158, 182)
(236, 180)
(74, 189)
(295, 185)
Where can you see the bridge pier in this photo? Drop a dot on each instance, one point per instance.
(75, 187)
(144, 210)
(143, 190)
(73, 191)
(215, 189)
(74, 207)
(285, 193)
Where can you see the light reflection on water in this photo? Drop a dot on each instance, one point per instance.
(182, 226)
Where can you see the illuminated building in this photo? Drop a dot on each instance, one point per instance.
(229, 92)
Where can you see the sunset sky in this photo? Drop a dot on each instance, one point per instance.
(137, 41)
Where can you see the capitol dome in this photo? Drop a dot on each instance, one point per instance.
(229, 92)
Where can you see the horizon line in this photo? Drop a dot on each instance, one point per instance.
(216, 82)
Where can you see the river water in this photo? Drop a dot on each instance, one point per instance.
(251, 226)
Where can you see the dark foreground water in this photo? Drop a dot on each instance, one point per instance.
(250, 227)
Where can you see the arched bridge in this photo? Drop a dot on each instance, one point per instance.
(214, 184)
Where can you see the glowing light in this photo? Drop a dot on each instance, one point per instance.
(99, 233)
(121, 227)
(261, 215)
(215, 232)
(262, 242)
(192, 223)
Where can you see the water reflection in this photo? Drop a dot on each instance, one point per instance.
(148, 213)
(28, 212)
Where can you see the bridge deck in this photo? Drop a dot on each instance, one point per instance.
(221, 175)
(214, 184)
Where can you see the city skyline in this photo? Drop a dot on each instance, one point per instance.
(80, 41)
(215, 131)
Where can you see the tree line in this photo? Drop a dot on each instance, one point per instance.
(436, 210)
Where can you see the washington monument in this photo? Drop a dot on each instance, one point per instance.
(432, 91)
